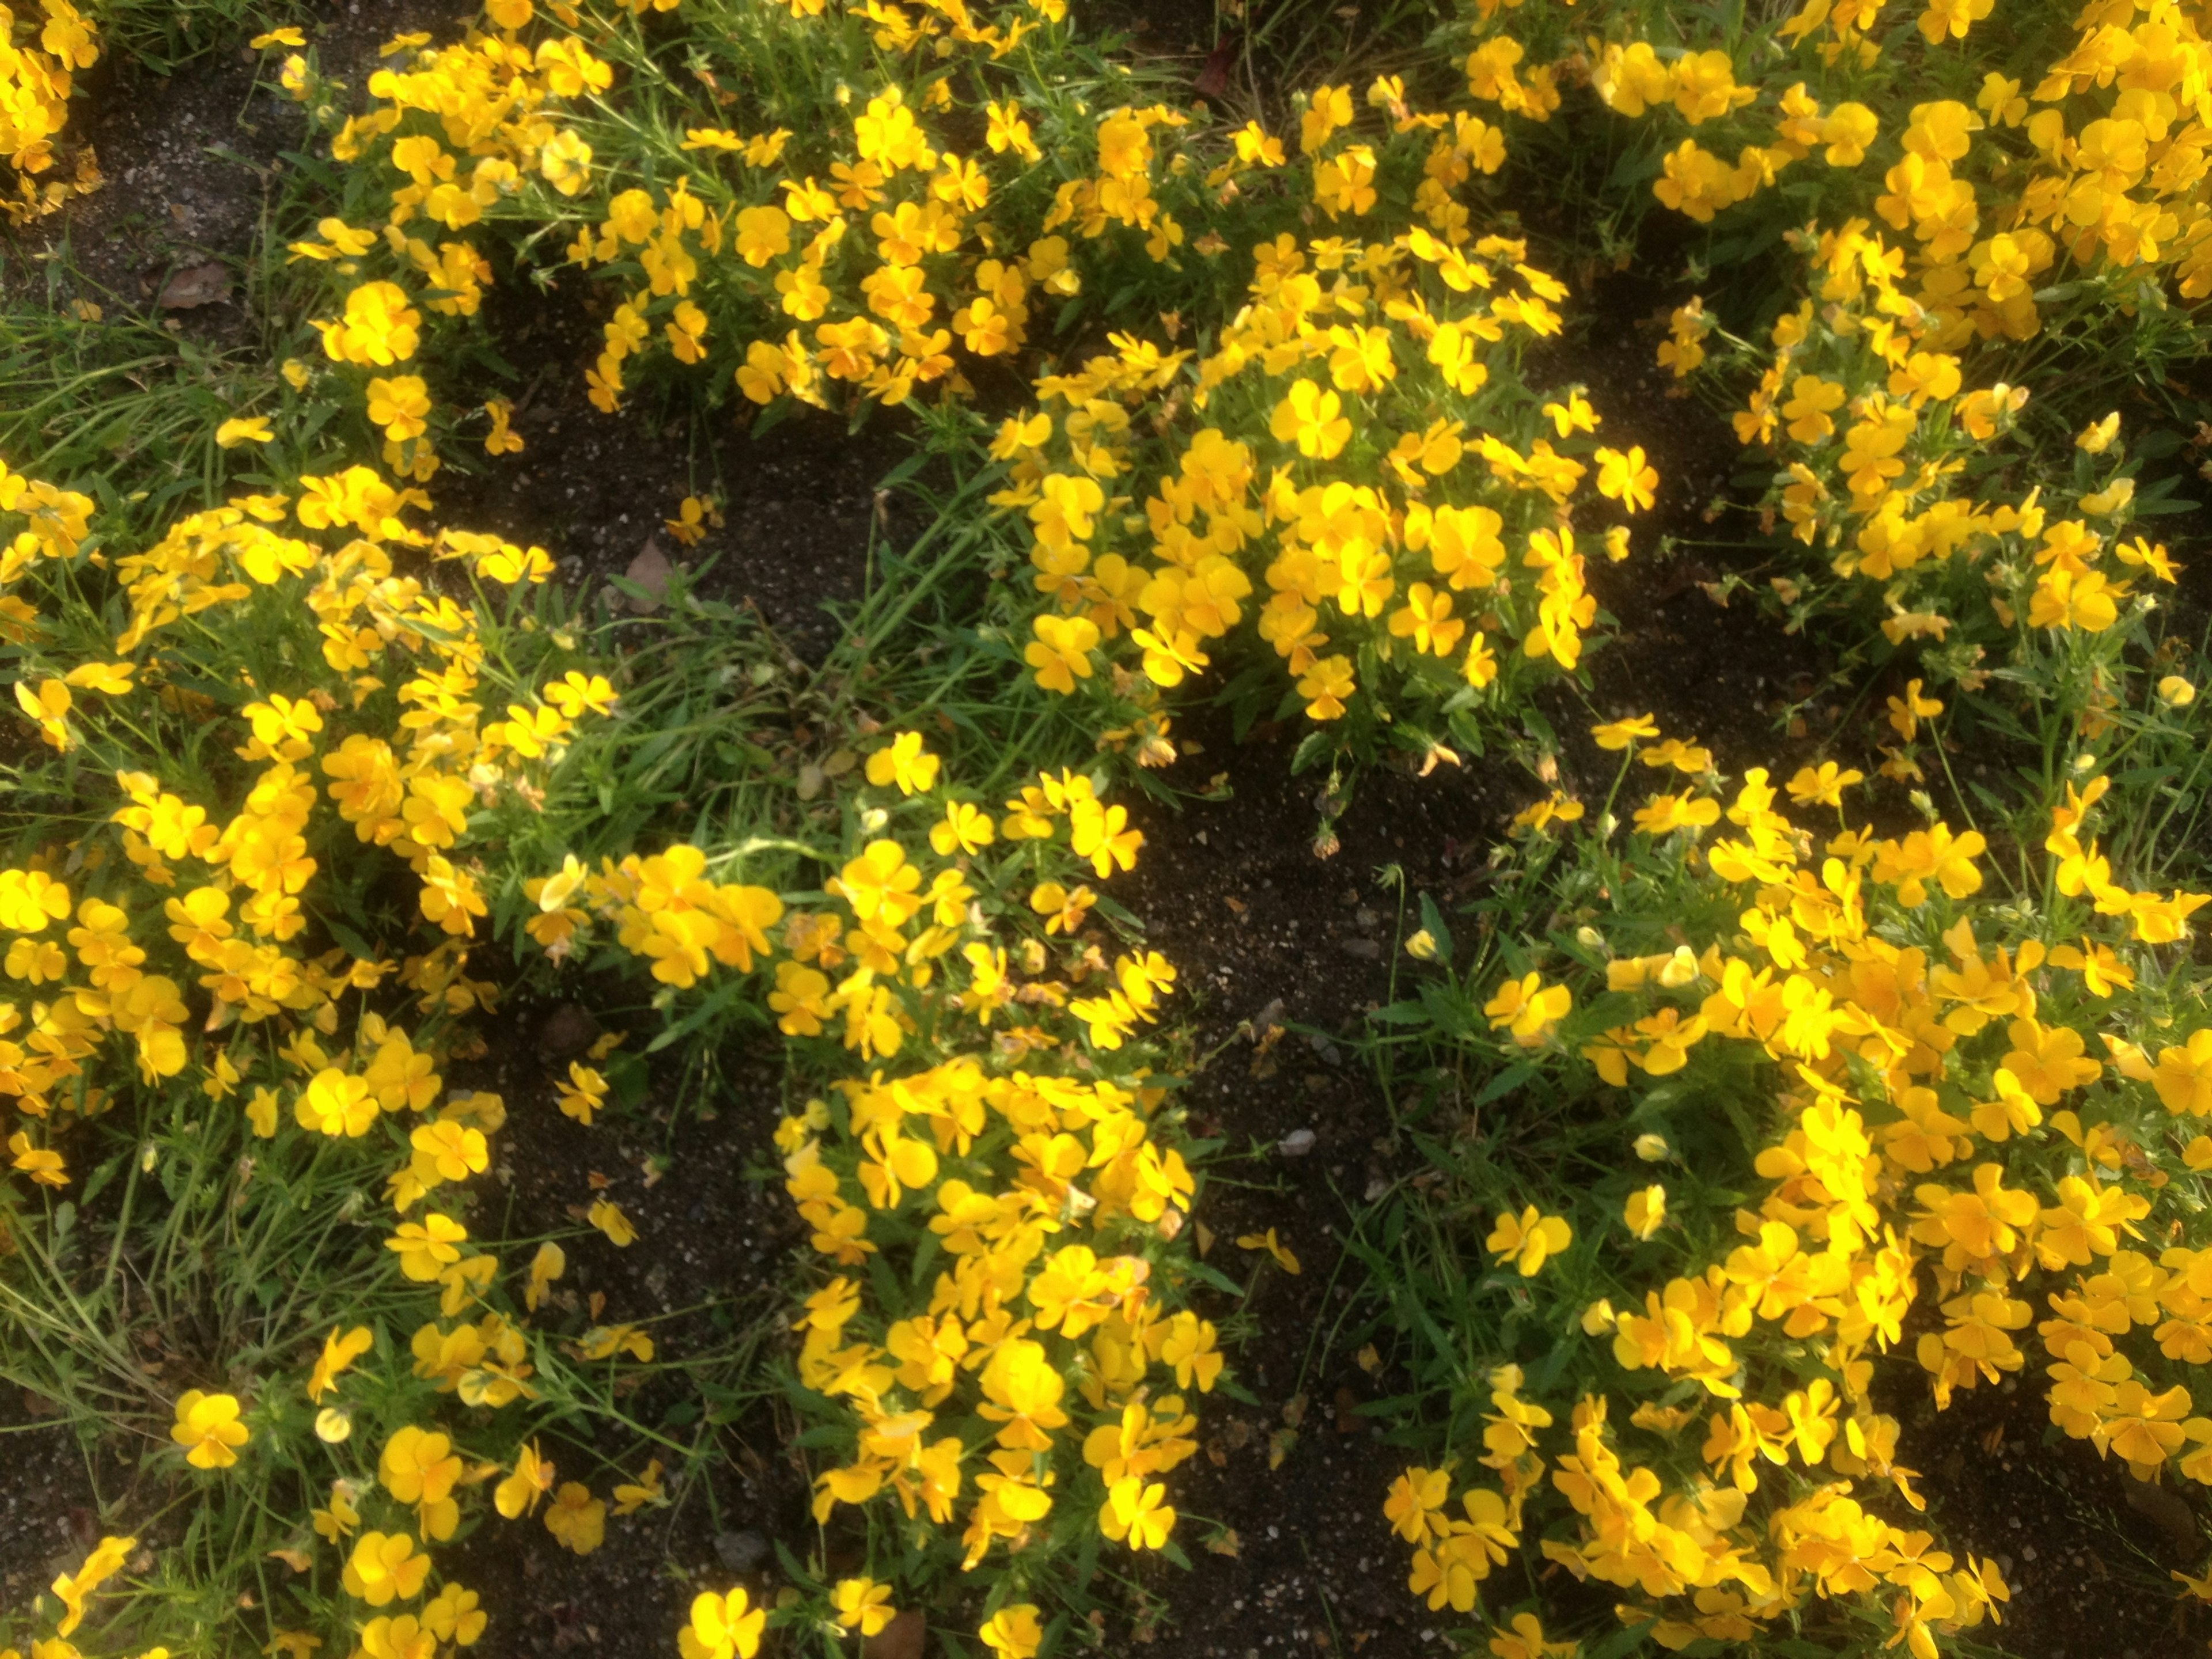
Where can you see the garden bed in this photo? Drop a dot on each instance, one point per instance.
(842, 582)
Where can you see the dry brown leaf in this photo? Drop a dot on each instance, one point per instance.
(196, 286)
(650, 570)
(900, 1639)
(1347, 1412)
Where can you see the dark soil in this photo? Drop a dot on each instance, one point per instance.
(699, 1179)
(1283, 955)
(49, 1512)
(799, 503)
(191, 158)
(2086, 1550)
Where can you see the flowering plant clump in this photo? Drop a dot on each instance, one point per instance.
(40, 53)
(1400, 538)
(989, 1102)
(841, 246)
(1373, 358)
(1948, 532)
(269, 768)
(2082, 165)
(1939, 239)
(1933, 1108)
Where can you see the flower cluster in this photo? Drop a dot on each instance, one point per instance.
(1986, 1108)
(38, 72)
(310, 691)
(452, 132)
(2091, 159)
(1880, 431)
(1398, 540)
(865, 256)
(988, 1107)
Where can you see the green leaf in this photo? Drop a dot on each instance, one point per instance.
(1433, 920)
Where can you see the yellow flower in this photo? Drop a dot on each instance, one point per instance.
(2097, 437)
(109, 678)
(1907, 713)
(398, 406)
(427, 1246)
(1529, 1009)
(1847, 130)
(1626, 478)
(1619, 734)
(379, 329)
(1415, 1502)
(453, 1615)
(1273, 1245)
(965, 828)
(906, 763)
(519, 1492)
(1645, 1211)
(582, 1093)
(501, 440)
(207, 1426)
(2176, 692)
(1061, 653)
(762, 233)
(606, 1215)
(576, 1518)
(566, 163)
(629, 1497)
(106, 1560)
(339, 1353)
(1325, 686)
(575, 694)
(335, 1105)
(1529, 1239)
(1527, 1641)
(726, 1626)
(448, 1150)
(383, 1566)
(1064, 911)
(1137, 1513)
(244, 429)
(1574, 416)
(1010, 1632)
(1662, 815)
(605, 1341)
(41, 1164)
(862, 1605)
(337, 1522)
(548, 1265)
(1314, 419)
(48, 703)
(1823, 786)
